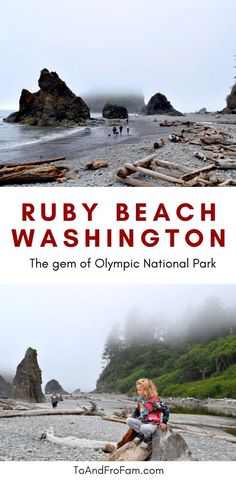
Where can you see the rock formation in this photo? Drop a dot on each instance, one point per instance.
(231, 102)
(159, 105)
(5, 388)
(54, 386)
(28, 379)
(114, 111)
(77, 391)
(53, 104)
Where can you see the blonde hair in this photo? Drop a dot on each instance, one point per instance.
(147, 386)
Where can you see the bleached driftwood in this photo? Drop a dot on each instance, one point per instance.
(169, 165)
(75, 442)
(56, 411)
(225, 164)
(123, 172)
(132, 168)
(135, 182)
(189, 176)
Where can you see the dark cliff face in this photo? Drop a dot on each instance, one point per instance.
(52, 105)
(28, 379)
(231, 102)
(159, 105)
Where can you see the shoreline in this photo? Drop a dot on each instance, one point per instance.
(144, 131)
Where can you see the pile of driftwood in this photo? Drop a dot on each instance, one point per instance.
(36, 171)
(217, 148)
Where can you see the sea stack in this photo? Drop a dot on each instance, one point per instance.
(28, 379)
(114, 111)
(54, 386)
(159, 105)
(54, 104)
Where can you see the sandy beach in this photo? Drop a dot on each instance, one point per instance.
(98, 144)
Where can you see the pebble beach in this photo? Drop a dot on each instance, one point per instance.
(98, 144)
(20, 436)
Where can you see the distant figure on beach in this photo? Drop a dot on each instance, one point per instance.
(120, 128)
(127, 121)
(127, 130)
(54, 400)
(114, 130)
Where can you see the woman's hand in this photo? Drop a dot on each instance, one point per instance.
(163, 427)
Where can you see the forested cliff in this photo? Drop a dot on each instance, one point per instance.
(194, 358)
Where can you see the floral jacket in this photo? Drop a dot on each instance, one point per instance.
(151, 410)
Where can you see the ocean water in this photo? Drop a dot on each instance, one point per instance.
(24, 143)
(15, 135)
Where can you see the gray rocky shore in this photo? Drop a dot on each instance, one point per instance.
(100, 146)
(208, 437)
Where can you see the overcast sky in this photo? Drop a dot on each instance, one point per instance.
(184, 49)
(68, 325)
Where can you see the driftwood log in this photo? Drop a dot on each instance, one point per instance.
(29, 173)
(177, 174)
(75, 442)
(82, 410)
(158, 144)
(96, 165)
(168, 446)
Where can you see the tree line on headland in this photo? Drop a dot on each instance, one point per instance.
(194, 357)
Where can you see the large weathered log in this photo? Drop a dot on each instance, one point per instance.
(135, 182)
(225, 164)
(130, 452)
(75, 442)
(31, 174)
(199, 181)
(169, 165)
(46, 411)
(144, 162)
(215, 139)
(160, 176)
(190, 175)
(169, 446)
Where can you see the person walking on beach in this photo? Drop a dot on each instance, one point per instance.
(54, 400)
(121, 128)
(127, 130)
(150, 413)
(114, 130)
